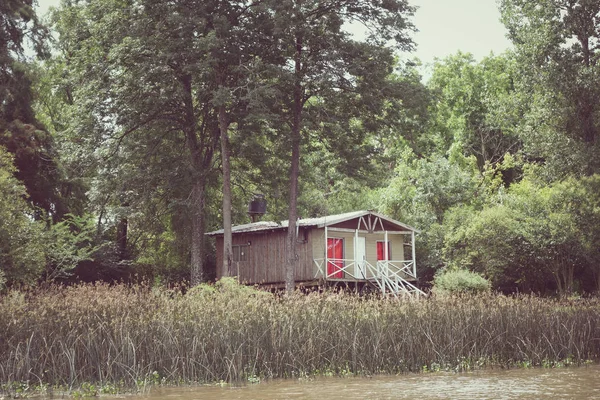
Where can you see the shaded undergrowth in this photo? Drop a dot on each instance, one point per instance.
(124, 337)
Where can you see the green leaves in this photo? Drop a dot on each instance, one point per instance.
(474, 108)
(32, 249)
(21, 252)
(460, 281)
(533, 236)
(68, 243)
(557, 55)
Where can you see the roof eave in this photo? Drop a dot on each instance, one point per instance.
(337, 221)
(362, 214)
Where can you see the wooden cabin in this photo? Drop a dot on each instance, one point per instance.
(360, 247)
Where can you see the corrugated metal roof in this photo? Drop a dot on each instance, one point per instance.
(330, 219)
(253, 227)
(318, 222)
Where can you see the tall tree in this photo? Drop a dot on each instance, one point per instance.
(20, 132)
(242, 31)
(473, 112)
(143, 77)
(323, 63)
(557, 48)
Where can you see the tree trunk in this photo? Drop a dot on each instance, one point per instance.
(587, 105)
(569, 274)
(197, 246)
(201, 154)
(225, 153)
(290, 267)
(122, 239)
(559, 286)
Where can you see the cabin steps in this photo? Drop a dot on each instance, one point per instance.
(396, 286)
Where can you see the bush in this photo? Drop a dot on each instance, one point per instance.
(460, 281)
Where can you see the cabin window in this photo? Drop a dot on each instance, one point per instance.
(240, 252)
(381, 250)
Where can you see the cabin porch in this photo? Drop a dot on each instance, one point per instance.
(361, 255)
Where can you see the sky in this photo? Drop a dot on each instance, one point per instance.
(445, 27)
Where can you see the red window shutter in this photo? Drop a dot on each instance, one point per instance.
(380, 254)
(381, 251)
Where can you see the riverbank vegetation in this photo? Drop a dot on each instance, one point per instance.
(123, 337)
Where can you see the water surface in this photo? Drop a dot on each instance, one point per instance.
(535, 383)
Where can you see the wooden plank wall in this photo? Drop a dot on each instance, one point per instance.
(266, 258)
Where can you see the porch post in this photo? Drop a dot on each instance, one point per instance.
(386, 253)
(326, 260)
(414, 258)
(356, 268)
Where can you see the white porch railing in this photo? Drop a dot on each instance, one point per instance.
(402, 268)
(347, 268)
(390, 276)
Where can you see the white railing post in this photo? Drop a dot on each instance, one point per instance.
(356, 268)
(386, 252)
(414, 258)
(326, 254)
(319, 267)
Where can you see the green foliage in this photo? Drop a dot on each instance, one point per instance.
(558, 77)
(489, 241)
(21, 252)
(492, 160)
(474, 111)
(30, 249)
(134, 98)
(420, 194)
(460, 281)
(226, 290)
(20, 23)
(68, 243)
(532, 236)
(422, 190)
(20, 132)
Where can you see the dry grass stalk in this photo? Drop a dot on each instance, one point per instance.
(138, 335)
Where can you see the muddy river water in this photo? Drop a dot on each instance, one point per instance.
(534, 383)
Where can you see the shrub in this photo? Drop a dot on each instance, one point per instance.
(460, 281)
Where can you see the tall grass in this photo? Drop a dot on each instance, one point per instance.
(126, 335)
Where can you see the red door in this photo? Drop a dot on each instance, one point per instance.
(335, 255)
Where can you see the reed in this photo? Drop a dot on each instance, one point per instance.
(131, 336)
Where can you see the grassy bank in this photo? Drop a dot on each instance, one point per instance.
(127, 337)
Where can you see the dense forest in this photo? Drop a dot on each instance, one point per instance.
(128, 128)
